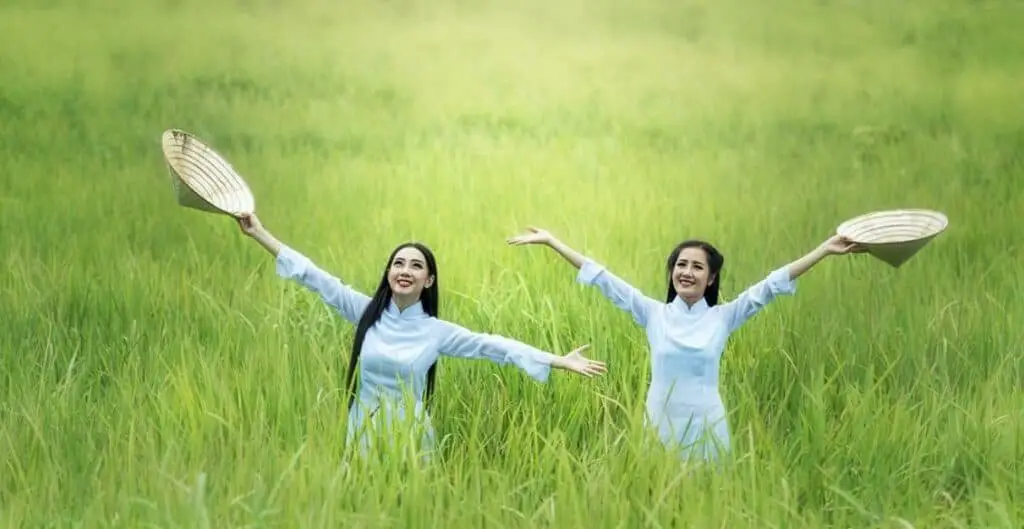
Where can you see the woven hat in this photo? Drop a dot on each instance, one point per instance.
(894, 236)
(203, 179)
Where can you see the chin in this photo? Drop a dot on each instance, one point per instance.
(688, 294)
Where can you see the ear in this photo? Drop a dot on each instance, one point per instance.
(712, 279)
(429, 283)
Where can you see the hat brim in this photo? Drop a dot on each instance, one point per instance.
(203, 179)
(894, 236)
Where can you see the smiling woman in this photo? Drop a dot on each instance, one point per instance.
(687, 333)
(399, 339)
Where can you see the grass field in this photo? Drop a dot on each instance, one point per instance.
(156, 373)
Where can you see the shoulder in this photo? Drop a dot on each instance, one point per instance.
(441, 327)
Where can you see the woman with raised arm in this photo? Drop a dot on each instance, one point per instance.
(399, 338)
(688, 331)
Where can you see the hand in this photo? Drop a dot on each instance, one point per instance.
(576, 362)
(839, 245)
(535, 236)
(250, 224)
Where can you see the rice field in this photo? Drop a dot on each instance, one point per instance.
(155, 372)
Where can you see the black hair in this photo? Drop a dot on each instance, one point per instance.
(715, 262)
(380, 301)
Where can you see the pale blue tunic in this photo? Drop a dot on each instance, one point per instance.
(397, 352)
(686, 345)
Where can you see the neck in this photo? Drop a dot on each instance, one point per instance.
(690, 300)
(404, 302)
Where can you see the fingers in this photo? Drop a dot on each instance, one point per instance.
(854, 248)
(517, 240)
(592, 369)
(589, 368)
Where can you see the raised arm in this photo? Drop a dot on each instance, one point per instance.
(543, 237)
(782, 281)
(459, 342)
(251, 226)
(835, 245)
(290, 264)
(619, 292)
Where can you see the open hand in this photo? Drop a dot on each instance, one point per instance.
(535, 236)
(839, 244)
(576, 362)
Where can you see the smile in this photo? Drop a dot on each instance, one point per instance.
(404, 282)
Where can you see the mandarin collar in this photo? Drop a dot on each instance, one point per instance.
(700, 306)
(412, 311)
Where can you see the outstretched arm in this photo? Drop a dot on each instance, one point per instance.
(290, 264)
(619, 292)
(251, 226)
(460, 342)
(539, 236)
(782, 281)
(835, 245)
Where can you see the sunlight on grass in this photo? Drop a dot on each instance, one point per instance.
(157, 373)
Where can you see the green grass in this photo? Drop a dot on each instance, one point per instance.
(156, 373)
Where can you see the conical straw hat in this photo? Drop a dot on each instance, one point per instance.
(203, 179)
(894, 236)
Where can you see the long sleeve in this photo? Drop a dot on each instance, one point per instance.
(620, 293)
(460, 342)
(349, 303)
(754, 298)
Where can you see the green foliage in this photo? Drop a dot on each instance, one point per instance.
(156, 373)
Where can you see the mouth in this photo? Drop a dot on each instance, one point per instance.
(404, 283)
(686, 283)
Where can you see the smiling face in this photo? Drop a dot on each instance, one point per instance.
(409, 274)
(691, 274)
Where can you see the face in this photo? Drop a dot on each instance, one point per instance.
(691, 274)
(408, 274)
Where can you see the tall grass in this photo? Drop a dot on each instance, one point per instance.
(156, 373)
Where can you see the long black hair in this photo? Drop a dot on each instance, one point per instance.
(380, 301)
(715, 262)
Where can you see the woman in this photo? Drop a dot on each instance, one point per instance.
(399, 338)
(687, 332)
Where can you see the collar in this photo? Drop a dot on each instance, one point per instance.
(700, 306)
(412, 311)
